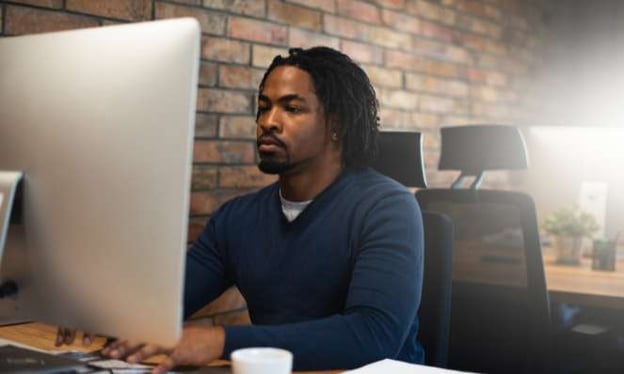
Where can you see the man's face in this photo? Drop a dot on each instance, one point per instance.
(291, 127)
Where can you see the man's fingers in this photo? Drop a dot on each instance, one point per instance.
(87, 338)
(145, 352)
(70, 335)
(64, 336)
(60, 336)
(122, 349)
(166, 365)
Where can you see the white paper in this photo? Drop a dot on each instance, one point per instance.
(397, 367)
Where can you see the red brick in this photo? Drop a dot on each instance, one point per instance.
(491, 110)
(455, 88)
(229, 152)
(208, 74)
(206, 125)
(295, 15)
(237, 127)
(231, 76)
(214, 100)
(475, 75)
(262, 55)
(244, 177)
(128, 10)
(391, 4)
(195, 228)
(495, 78)
(225, 50)
(444, 69)
(485, 93)
(437, 31)
(361, 52)
(188, 2)
(485, 28)
(493, 12)
(496, 48)
(306, 39)
(206, 202)
(56, 4)
(345, 28)
(398, 99)
(359, 10)
(426, 121)
(203, 203)
(204, 177)
(431, 140)
(475, 7)
(382, 77)
(389, 38)
(436, 104)
(210, 22)
(431, 11)
(401, 21)
(257, 31)
(325, 5)
(394, 118)
(20, 20)
(403, 60)
(245, 7)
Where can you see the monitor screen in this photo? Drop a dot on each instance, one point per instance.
(100, 122)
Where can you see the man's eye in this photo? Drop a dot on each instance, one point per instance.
(293, 109)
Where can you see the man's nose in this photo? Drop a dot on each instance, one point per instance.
(269, 120)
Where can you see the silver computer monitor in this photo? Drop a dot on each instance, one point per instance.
(100, 123)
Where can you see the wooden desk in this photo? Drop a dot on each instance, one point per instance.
(583, 286)
(39, 335)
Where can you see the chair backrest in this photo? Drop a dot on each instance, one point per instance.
(400, 157)
(435, 306)
(500, 314)
(500, 310)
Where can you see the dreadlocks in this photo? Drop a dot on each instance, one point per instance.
(346, 95)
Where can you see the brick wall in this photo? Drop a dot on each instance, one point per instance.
(433, 63)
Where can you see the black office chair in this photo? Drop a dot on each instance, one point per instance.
(400, 157)
(500, 315)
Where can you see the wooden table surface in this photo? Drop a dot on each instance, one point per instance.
(41, 336)
(584, 286)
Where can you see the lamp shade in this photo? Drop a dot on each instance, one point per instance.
(475, 148)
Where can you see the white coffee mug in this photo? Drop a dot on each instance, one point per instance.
(261, 361)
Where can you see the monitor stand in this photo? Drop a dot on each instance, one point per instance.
(14, 265)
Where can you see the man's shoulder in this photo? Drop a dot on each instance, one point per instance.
(250, 199)
(369, 181)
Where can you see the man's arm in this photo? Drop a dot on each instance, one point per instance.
(205, 276)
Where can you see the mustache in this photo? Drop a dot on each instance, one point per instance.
(270, 138)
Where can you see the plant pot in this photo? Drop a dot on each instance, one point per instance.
(569, 249)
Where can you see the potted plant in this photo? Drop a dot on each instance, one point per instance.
(569, 225)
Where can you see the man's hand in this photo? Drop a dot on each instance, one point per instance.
(198, 346)
(67, 336)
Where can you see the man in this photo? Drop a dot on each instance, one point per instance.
(329, 258)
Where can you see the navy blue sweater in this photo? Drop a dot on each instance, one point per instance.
(339, 286)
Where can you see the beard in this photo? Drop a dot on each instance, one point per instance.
(269, 166)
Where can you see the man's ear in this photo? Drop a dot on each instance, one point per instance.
(332, 127)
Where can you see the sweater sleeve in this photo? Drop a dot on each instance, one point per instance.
(381, 305)
(205, 275)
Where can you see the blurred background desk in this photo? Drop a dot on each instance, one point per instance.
(581, 285)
